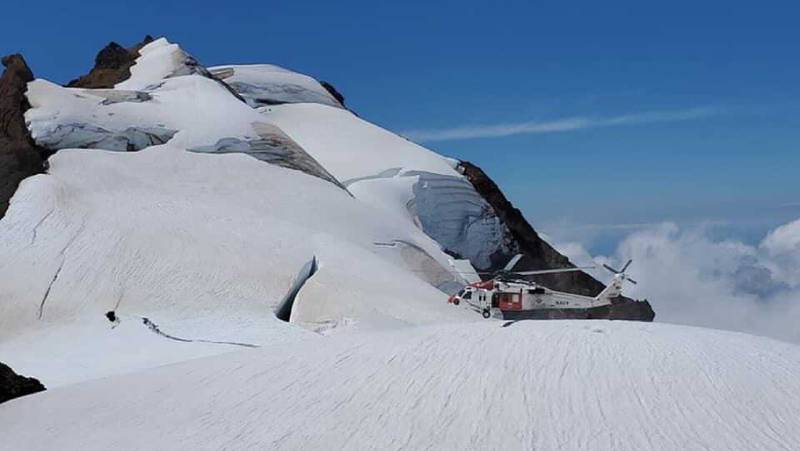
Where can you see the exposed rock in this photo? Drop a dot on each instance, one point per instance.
(112, 65)
(626, 308)
(12, 385)
(538, 254)
(449, 210)
(333, 91)
(20, 157)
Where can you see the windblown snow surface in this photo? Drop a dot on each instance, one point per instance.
(199, 219)
(531, 385)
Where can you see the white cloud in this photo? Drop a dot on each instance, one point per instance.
(559, 125)
(783, 247)
(693, 279)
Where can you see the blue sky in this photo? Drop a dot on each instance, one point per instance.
(684, 112)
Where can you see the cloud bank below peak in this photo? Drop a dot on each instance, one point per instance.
(558, 125)
(692, 278)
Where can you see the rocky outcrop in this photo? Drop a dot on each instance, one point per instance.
(538, 254)
(12, 385)
(333, 91)
(621, 308)
(20, 157)
(112, 65)
(629, 309)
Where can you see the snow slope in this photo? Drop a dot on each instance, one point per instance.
(178, 236)
(573, 385)
(74, 117)
(392, 173)
(194, 235)
(167, 88)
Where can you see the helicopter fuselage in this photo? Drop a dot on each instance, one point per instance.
(521, 299)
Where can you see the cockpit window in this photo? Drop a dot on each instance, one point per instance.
(467, 295)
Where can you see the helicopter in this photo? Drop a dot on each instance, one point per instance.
(515, 298)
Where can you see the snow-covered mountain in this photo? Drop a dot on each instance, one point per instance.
(190, 229)
(161, 212)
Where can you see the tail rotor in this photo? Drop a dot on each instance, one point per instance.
(621, 273)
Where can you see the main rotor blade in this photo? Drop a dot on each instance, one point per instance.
(511, 263)
(611, 269)
(626, 265)
(632, 281)
(551, 271)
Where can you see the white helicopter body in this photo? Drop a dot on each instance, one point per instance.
(516, 298)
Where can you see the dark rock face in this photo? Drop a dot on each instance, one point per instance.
(333, 91)
(538, 254)
(111, 66)
(621, 308)
(626, 308)
(20, 157)
(12, 385)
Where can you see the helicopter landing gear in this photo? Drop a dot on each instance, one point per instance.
(486, 313)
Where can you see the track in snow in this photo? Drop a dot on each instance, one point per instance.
(155, 329)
